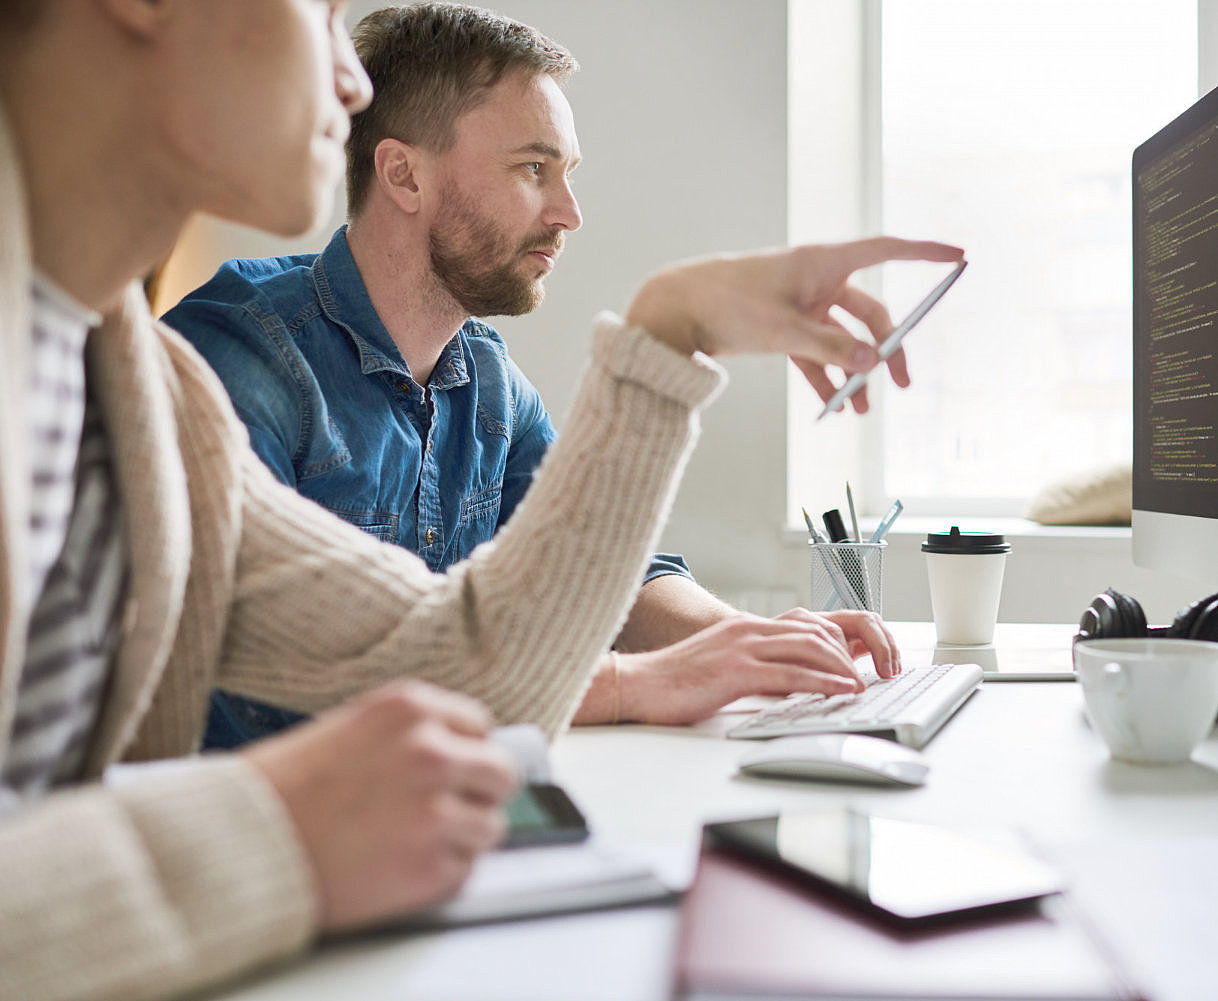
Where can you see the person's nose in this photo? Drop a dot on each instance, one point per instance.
(563, 210)
(351, 83)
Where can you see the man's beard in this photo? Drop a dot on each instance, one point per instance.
(475, 263)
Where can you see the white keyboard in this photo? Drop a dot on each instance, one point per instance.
(909, 708)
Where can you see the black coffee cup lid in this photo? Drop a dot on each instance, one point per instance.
(956, 541)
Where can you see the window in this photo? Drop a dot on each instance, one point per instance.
(1007, 129)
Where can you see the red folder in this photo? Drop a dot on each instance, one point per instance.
(750, 933)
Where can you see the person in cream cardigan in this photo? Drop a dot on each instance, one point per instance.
(121, 118)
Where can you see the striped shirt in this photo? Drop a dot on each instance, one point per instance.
(76, 575)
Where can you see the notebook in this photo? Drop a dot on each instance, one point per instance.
(543, 878)
(751, 935)
(909, 708)
(514, 883)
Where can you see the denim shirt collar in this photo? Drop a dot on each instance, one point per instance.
(345, 301)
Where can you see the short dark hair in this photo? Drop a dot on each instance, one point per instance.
(21, 14)
(429, 64)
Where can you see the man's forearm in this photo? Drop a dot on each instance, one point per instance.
(669, 609)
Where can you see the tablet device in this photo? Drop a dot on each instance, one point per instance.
(904, 872)
(1049, 662)
(543, 814)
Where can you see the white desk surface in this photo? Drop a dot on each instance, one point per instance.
(1139, 846)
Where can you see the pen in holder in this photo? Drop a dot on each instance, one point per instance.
(847, 575)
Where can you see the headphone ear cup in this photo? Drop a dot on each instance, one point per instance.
(1199, 621)
(1112, 615)
(1134, 617)
(1099, 619)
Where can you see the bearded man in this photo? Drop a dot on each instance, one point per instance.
(368, 386)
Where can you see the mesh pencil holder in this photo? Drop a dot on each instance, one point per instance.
(847, 575)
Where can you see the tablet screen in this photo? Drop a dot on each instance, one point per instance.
(905, 870)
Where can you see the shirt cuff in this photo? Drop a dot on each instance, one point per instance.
(667, 564)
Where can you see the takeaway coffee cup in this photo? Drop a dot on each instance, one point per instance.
(965, 574)
(1152, 700)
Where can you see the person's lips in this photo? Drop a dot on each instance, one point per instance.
(546, 254)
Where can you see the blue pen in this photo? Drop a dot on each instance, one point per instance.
(886, 522)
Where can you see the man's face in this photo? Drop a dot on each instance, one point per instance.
(504, 201)
(257, 100)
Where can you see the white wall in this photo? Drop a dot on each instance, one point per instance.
(682, 114)
(681, 107)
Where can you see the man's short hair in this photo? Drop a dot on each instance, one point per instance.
(429, 64)
(21, 14)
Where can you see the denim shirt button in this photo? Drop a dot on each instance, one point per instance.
(430, 536)
(403, 386)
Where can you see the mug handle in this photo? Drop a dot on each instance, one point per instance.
(1114, 677)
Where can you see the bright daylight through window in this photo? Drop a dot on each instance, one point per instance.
(1007, 129)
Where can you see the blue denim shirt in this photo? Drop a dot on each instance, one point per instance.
(333, 411)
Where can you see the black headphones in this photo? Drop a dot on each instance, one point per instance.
(1113, 615)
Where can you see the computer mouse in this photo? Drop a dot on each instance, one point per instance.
(841, 757)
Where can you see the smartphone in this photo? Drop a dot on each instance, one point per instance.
(888, 347)
(905, 872)
(543, 814)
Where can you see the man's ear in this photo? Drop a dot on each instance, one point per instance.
(399, 174)
(140, 17)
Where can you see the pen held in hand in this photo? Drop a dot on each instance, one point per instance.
(893, 341)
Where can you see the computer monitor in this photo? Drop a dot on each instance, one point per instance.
(1175, 346)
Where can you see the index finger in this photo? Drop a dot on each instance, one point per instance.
(869, 628)
(878, 249)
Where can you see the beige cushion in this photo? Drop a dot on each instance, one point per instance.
(1101, 496)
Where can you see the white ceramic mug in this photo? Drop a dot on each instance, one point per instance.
(1152, 700)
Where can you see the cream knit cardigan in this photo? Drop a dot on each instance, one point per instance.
(187, 876)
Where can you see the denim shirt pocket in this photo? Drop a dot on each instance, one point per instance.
(478, 521)
(382, 525)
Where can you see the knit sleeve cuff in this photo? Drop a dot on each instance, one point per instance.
(631, 353)
(230, 860)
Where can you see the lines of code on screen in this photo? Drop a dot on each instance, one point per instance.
(1176, 328)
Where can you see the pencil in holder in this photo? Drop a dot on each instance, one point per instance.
(847, 575)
